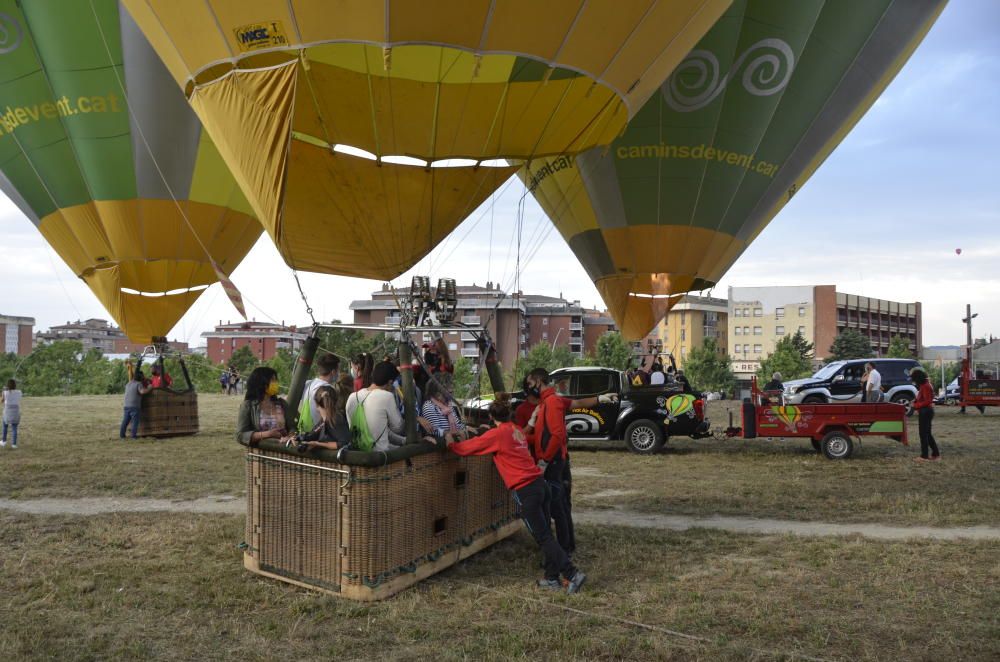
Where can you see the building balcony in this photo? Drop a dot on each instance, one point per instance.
(470, 352)
(468, 337)
(471, 319)
(575, 326)
(394, 320)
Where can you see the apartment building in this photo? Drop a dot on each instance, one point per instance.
(16, 333)
(515, 321)
(263, 338)
(689, 322)
(96, 333)
(760, 316)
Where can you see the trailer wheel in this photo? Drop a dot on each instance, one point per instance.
(644, 437)
(817, 446)
(837, 445)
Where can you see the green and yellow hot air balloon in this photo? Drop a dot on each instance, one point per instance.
(99, 149)
(361, 132)
(736, 130)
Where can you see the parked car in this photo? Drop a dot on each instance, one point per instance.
(952, 394)
(645, 417)
(840, 381)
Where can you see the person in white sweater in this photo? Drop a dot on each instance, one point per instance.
(384, 420)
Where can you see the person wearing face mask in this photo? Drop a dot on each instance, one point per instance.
(263, 415)
(327, 373)
(377, 413)
(361, 370)
(548, 440)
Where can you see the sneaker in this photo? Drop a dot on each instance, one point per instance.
(2, 444)
(576, 582)
(13, 447)
(549, 584)
(921, 459)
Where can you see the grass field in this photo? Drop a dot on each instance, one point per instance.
(171, 586)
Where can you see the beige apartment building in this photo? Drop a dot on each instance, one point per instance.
(689, 322)
(760, 316)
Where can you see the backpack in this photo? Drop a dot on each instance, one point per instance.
(361, 436)
(305, 411)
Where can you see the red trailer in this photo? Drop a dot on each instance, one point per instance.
(976, 391)
(830, 427)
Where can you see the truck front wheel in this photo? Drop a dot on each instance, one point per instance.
(644, 437)
(837, 445)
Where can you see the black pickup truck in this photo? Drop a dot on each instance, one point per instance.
(644, 416)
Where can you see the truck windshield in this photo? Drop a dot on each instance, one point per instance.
(829, 370)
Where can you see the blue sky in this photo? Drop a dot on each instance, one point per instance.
(916, 179)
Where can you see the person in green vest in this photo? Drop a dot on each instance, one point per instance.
(327, 374)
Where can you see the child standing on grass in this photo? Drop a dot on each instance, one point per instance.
(11, 398)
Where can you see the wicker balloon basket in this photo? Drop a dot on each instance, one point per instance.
(373, 525)
(167, 413)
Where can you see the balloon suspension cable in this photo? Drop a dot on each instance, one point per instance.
(298, 283)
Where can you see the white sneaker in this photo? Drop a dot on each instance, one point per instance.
(2, 444)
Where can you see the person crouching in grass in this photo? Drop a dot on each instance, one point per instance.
(509, 447)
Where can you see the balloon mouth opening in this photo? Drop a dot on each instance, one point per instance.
(405, 160)
(168, 293)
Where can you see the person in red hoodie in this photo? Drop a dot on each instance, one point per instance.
(924, 406)
(513, 460)
(547, 435)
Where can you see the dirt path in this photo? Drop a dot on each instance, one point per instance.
(230, 505)
(772, 526)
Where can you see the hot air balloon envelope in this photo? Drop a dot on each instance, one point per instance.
(735, 131)
(100, 150)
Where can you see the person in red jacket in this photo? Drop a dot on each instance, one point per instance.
(513, 461)
(547, 435)
(924, 406)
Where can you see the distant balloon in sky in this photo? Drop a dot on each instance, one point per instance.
(958, 251)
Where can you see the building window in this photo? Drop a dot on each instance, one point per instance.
(758, 331)
(802, 311)
(758, 312)
(545, 321)
(757, 349)
(739, 331)
(736, 312)
(779, 330)
(736, 349)
(779, 312)
(802, 330)
(545, 335)
(746, 349)
(683, 335)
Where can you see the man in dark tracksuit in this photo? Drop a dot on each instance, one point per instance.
(548, 440)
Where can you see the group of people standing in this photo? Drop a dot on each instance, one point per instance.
(229, 381)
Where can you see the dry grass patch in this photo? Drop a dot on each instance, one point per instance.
(785, 479)
(70, 447)
(172, 587)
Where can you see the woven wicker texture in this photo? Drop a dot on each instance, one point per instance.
(316, 526)
(168, 414)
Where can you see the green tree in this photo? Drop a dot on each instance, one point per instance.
(933, 370)
(787, 359)
(243, 360)
(709, 369)
(899, 348)
(204, 374)
(612, 351)
(803, 346)
(850, 344)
